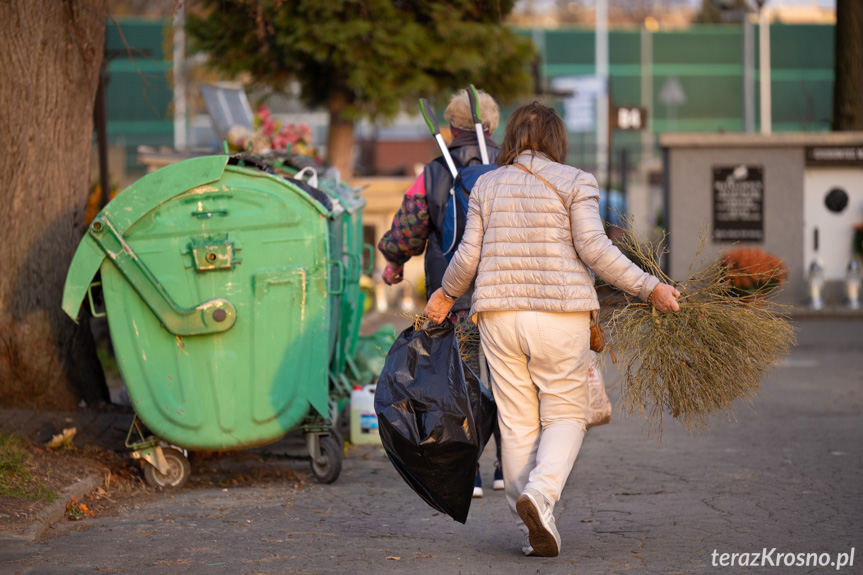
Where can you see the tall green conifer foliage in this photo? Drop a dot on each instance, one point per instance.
(364, 58)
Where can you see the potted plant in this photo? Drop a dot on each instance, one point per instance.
(752, 271)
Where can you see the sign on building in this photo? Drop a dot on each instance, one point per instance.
(738, 203)
(629, 118)
(834, 156)
(579, 109)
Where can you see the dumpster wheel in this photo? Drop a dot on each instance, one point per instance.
(327, 463)
(178, 473)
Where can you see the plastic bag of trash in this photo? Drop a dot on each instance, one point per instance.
(434, 417)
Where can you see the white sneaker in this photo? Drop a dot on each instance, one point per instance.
(527, 548)
(477, 492)
(536, 513)
(498, 478)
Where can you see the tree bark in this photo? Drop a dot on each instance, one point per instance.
(848, 80)
(52, 53)
(340, 135)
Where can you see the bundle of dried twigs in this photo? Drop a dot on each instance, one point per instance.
(467, 333)
(695, 363)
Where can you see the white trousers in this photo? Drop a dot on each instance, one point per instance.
(539, 363)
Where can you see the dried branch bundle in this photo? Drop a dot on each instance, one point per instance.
(466, 333)
(695, 363)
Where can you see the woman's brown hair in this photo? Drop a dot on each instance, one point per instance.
(535, 128)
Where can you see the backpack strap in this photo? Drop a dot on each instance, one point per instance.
(544, 181)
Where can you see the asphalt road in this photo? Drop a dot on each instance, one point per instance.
(785, 474)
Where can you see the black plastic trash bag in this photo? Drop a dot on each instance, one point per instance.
(434, 416)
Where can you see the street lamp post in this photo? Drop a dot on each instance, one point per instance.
(731, 13)
(180, 129)
(602, 104)
(764, 67)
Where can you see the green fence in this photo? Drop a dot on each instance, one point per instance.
(705, 59)
(139, 93)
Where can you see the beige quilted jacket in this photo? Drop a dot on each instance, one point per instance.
(519, 245)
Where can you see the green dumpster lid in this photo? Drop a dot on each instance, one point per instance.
(150, 192)
(127, 208)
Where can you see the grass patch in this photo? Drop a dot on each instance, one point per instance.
(15, 479)
(13, 454)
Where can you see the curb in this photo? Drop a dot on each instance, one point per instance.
(55, 511)
(832, 312)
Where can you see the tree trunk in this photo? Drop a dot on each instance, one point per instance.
(340, 136)
(52, 54)
(848, 81)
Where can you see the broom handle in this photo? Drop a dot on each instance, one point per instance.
(477, 121)
(431, 122)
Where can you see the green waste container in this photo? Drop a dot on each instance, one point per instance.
(230, 297)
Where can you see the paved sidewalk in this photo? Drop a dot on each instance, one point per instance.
(785, 474)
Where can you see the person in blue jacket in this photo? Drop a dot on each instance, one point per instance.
(418, 225)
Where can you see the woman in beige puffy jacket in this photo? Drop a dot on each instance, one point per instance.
(533, 230)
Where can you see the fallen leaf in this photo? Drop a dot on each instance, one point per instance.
(63, 440)
(391, 558)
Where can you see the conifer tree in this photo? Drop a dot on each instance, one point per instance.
(364, 59)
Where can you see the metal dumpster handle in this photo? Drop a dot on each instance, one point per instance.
(356, 265)
(357, 261)
(213, 316)
(93, 311)
(343, 277)
(207, 214)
